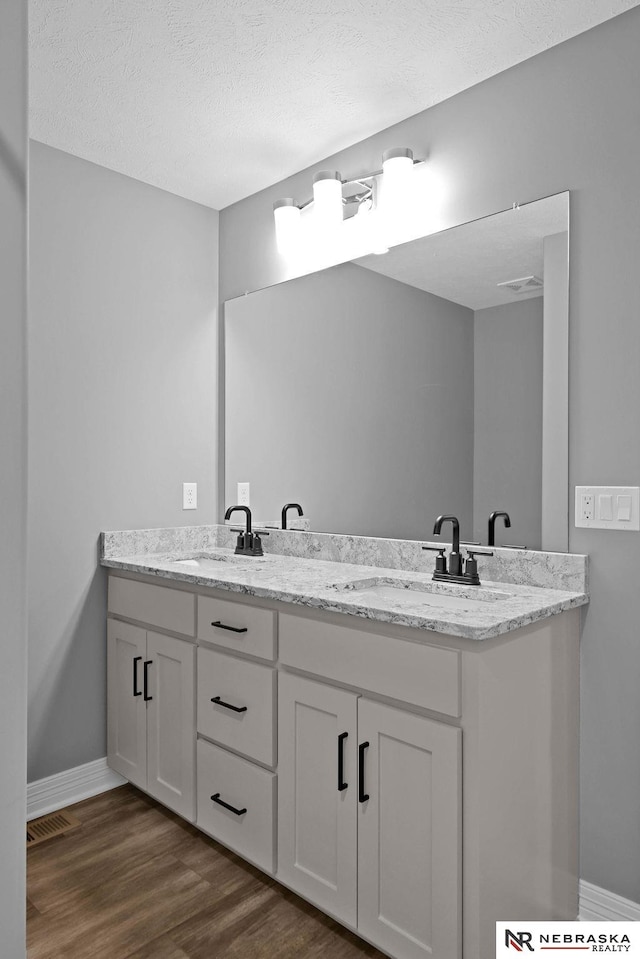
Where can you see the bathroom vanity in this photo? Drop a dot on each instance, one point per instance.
(402, 754)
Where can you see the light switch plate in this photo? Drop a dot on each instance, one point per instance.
(608, 507)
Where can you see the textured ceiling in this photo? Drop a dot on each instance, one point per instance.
(216, 99)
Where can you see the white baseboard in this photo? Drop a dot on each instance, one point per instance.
(70, 786)
(599, 904)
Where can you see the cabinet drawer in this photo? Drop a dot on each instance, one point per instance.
(239, 626)
(245, 787)
(156, 605)
(245, 686)
(427, 676)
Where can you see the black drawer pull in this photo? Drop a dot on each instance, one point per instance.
(236, 709)
(232, 629)
(221, 802)
(145, 680)
(341, 783)
(362, 795)
(136, 691)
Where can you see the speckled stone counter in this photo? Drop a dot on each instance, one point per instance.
(385, 580)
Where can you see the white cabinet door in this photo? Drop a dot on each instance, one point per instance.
(317, 790)
(409, 838)
(127, 723)
(171, 741)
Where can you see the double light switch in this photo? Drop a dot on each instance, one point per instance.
(608, 507)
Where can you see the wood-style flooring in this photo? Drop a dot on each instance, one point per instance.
(137, 882)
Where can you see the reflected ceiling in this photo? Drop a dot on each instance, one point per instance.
(466, 264)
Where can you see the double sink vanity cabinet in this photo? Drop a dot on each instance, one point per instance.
(416, 786)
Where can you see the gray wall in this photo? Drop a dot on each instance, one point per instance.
(566, 119)
(507, 461)
(123, 342)
(339, 397)
(13, 475)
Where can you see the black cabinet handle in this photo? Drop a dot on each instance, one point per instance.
(232, 629)
(341, 783)
(145, 680)
(136, 691)
(362, 795)
(236, 709)
(221, 802)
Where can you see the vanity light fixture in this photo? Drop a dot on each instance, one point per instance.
(380, 195)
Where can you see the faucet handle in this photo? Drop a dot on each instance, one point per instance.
(441, 562)
(255, 545)
(471, 564)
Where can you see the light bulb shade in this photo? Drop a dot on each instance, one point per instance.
(327, 198)
(397, 166)
(287, 218)
(394, 197)
(397, 153)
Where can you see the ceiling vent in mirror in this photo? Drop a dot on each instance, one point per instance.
(525, 284)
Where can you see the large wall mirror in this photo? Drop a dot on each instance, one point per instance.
(431, 379)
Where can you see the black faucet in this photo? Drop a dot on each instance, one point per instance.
(288, 507)
(455, 560)
(454, 573)
(491, 539)
(248, 543)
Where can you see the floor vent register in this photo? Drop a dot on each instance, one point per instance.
(47, 827)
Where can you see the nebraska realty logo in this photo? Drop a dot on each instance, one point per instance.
(560, 938)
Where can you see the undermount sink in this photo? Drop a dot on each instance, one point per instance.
(204, 560)
(438, 595)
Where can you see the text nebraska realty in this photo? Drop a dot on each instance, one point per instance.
(602, 942)
(598, 942)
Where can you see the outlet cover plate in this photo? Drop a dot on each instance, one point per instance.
(607, 507)
(189, 495)
(244, 494)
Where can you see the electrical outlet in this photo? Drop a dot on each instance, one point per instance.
(243, 494)
(189, 495)
(587, 501)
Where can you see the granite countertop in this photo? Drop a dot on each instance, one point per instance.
(413, 600)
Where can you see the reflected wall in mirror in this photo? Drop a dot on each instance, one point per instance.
(384, 392)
